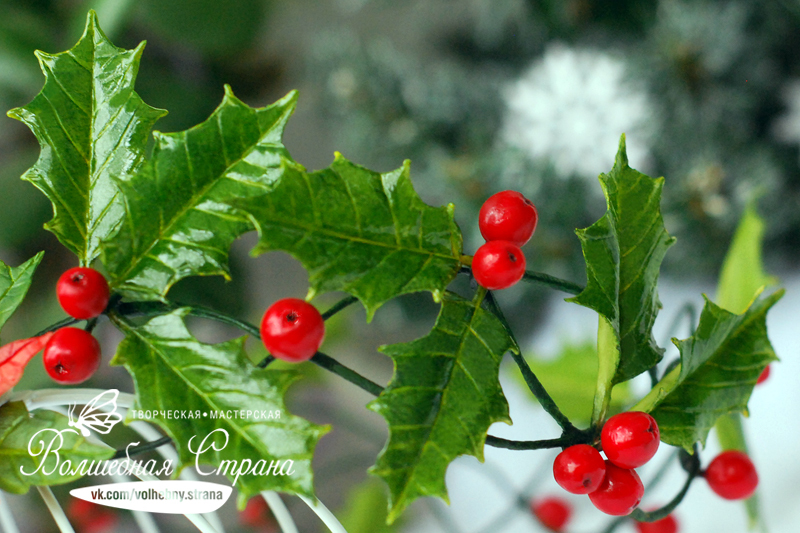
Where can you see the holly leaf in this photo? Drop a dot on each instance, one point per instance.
(14, 285)
(22, 432)
(179, 220)
(92, 127)
(570, 378)
(358, 231)
(623, 253)
(442, 399)
(174, 372)
(719, 367)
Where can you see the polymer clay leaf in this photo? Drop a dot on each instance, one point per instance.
(92, 128)
(623, 252)
(178, 216)
(358, 231)
(174, 372)
(14, 285)
(40, 428)
(441, 401)
(719, 367)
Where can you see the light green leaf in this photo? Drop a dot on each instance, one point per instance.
(623, 253)
(14, 284)
(92, 127)
(17, 429)
(365, 509)
(178, 216)
(442, 399)
(570, 378)
(743, 275)
(358, 231)
(172, 371)
(719, 367)
(741, 278)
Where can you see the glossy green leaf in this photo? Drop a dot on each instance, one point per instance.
(741, 278)
(570, 378)
(719, 367)
(623, 252)
(358, 231)
(92, 128)
(14, 284)
(174, 372)
(442, 399)
(19, 428)
(178, 216)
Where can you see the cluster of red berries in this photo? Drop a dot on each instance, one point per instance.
(507, 221)
(72, 355)
(554, 513)
(292, 330)
(629, 440)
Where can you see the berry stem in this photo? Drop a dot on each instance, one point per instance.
(535, 277)
(545, 444)
(58, 325)
(339, 306)
(328, 363)
(530, 378)
(658, 514)
(144, 448)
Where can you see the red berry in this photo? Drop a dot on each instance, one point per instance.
(508, 216)
(90, 517)
(764, 375)
(668, 524)
(620, 492)
(630, 439)
(552, 512)
(732, 475)
(498, 265)
(256, 513)
(292, 330)
(71, 355)
(82, 292)
(579, 469)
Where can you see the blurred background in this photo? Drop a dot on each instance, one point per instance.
(482, 96)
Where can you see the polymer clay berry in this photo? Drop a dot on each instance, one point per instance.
(630, 439)
(292, 330)
(508, 216)
(579, 469)
(763, 376)
(620, 492)
(552, 512)
(668, 524)
(498, 265)
(82, 292)
(71, 356)
(732, 475)
(90, 517)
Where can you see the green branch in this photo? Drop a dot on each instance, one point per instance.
(530, 378)
(543, 279)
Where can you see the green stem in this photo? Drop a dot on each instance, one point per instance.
(530, 378)
(332, 365)
(545, 444)
(58, 325)
(338, 306)
(542, 278)
(144, 448)
(658, 514)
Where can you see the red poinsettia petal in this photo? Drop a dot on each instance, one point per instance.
(14, 356)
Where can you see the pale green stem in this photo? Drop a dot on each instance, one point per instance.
(279, 511)
(7, 521)
(324, 514)
(608, 361)
(55, 509)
